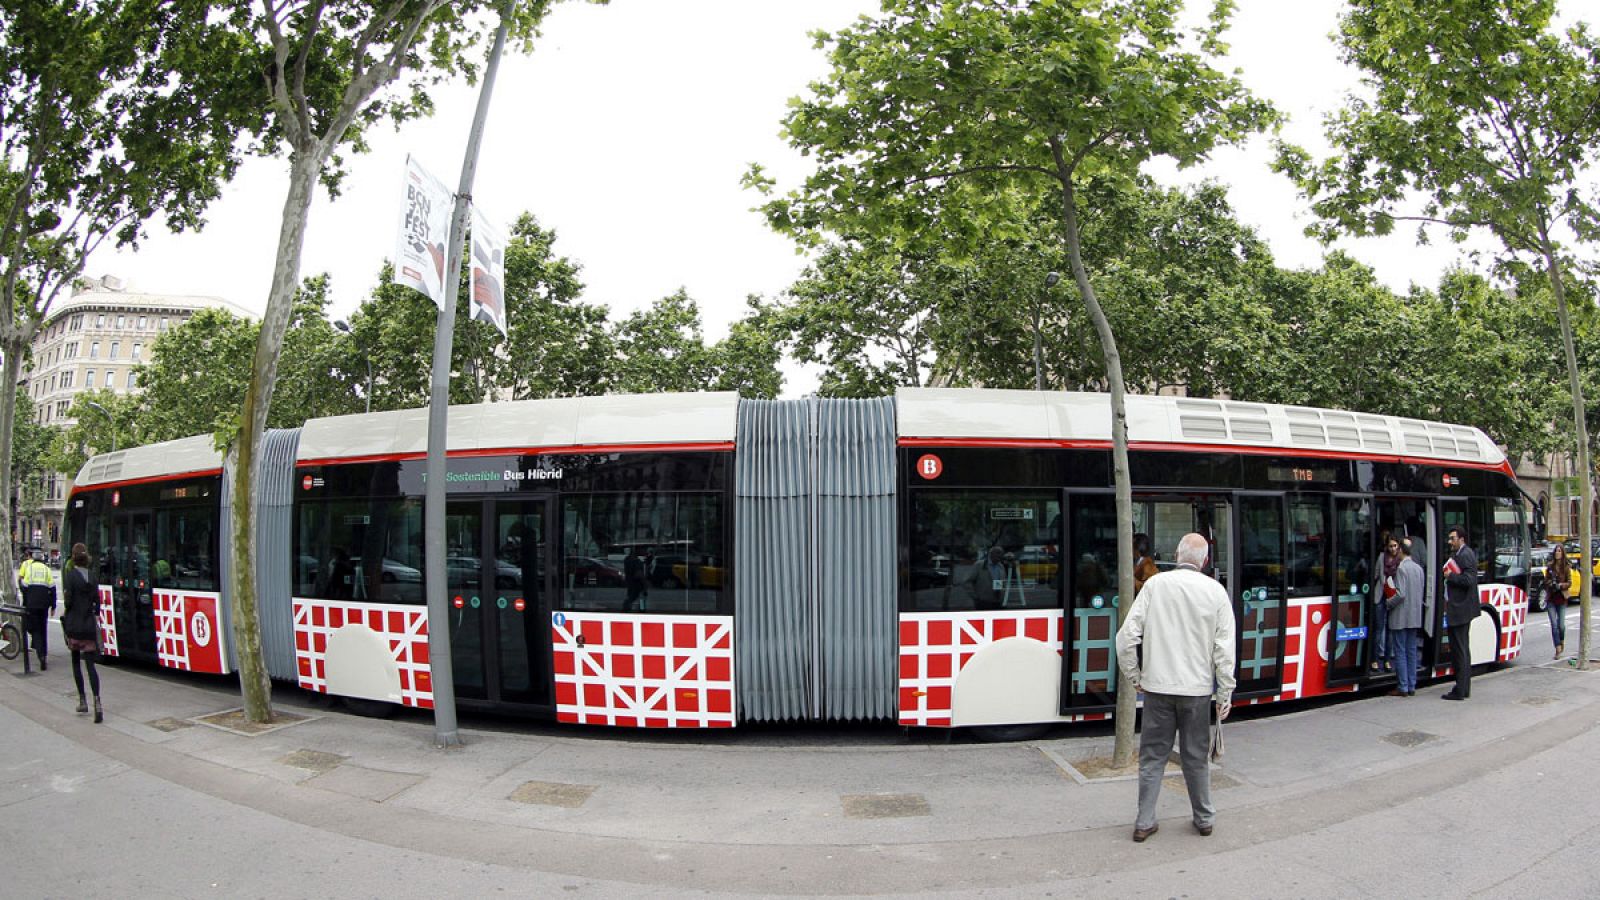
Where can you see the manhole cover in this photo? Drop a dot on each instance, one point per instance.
(1409, 738)
(169, 724)
(552, 793)
(314, 760)
(884, 806)
(1538, 701)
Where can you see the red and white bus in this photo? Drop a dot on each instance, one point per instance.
(942, 558)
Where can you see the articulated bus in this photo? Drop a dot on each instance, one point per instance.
(941, 558)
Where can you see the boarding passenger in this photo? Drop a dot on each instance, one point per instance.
(1183, 622)
(1388, 563)
(1404, 615)
(38, 602)
(1144, 564)
(1460, 608)
(80, 622)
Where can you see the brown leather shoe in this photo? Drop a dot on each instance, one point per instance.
(1205, 830)
(1140, 834)
(1396, 693)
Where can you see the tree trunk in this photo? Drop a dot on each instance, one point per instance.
(13, 349)
(1122, 753)
(244, 449)
(1586, 484)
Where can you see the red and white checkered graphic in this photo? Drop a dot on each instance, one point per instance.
(108, 622)
(405, 628)
(643, 671)
(1511, 604)
(189, 633)
(934, 647)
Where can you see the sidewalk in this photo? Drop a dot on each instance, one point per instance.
(873, 815)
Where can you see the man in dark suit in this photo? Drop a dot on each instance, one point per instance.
(1460, 608)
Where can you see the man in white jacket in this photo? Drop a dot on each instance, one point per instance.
(1184, 623)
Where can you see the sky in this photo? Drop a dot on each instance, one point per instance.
(627, 130)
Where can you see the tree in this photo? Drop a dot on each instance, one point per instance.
(30, 455)
(103, 420)
(557, 345)
(1480, 118)
(93, 143)
(661, 348)
(940, 119)
(327, 68)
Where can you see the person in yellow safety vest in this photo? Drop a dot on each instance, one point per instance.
(38, 601)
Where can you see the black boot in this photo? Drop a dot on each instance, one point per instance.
(98, 717)
(83, 705)
(42, 664)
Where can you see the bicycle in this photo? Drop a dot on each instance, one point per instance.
(12, 638)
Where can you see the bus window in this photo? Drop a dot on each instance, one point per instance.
(368, 550)
(1308, 544)
(975, 550)
(1510, 548)
(643, 551)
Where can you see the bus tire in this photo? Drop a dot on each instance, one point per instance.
(369, 709)
(999, 734)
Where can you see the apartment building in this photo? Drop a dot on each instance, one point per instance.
(96, 339)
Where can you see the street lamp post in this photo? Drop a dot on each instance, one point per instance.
(1038, 340)
(112, 423)
(344, 326)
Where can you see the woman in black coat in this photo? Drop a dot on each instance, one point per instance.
(80, 622)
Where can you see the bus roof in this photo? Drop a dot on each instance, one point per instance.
(956, 413)
(617, 420)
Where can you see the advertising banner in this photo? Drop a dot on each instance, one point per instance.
(488, 273)
(420, 255)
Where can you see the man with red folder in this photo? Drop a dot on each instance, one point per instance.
(1460, 608)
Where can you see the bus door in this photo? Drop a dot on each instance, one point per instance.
(125, 565)
(1351, 633)
(1261, 587)
(1408, 518)
(499, 570)
(1089, 655)
(1452, 514)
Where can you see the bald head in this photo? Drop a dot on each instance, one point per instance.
(1193, 549)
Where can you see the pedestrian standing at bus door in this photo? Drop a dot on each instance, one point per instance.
(1560, 582)
(1144, 563)
(1183, 623)
(1404, 615)
(1388, 563)
(1460, 608)
(80, 622)
(38, 602)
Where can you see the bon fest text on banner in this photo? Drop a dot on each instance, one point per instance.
(420, 254)
(488, 302)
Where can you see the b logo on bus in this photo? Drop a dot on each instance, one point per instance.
(930, 466)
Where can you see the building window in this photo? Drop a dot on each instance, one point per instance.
(94, 350)
(72, 351)
(111, 378)
(142, 320)
(88, 379)
(66, 379)
(100, 322)
(122, 322)
(164, 322)
(115, 346)
(61, 408)
(136, 352)
(77, 322)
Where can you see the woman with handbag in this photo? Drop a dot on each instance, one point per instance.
(80, 622)
(1560, 579)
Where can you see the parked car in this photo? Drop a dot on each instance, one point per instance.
(587, 571)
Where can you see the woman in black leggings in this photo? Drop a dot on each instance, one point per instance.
(80, 622)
